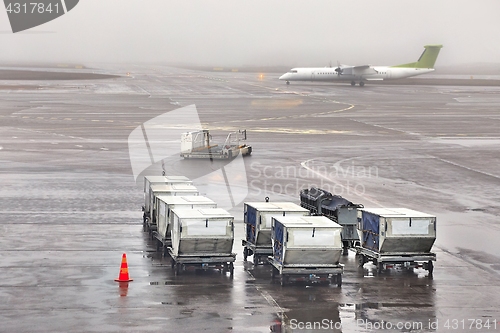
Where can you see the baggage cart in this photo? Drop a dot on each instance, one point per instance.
(397, 237)
(197, 144)
(156, 190)
(165, 217)
(336, 208)
(162, 180)
(306, 248)
(202, 238)
(257, 222)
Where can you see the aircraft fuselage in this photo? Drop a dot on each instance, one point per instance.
(350, 74)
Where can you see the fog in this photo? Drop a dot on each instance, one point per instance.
(260, 33)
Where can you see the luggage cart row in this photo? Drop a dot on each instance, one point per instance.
(298, 246)
(388, 237)
(186, 226)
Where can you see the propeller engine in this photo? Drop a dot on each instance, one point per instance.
(339, 69)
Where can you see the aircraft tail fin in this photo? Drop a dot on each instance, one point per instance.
(427, 59)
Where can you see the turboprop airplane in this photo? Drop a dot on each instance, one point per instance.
(425, 64)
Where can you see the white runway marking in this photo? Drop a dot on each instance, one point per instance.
(304, 165)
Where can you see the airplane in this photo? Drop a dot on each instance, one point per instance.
(424, 64)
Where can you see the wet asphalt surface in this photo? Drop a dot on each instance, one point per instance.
(70, 205)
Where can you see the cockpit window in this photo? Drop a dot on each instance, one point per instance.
(293, 71)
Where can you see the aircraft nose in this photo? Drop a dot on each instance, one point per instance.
(284, 76)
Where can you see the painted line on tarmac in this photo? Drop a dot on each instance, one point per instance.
(467, 168)
(270, 299)
(305, 165)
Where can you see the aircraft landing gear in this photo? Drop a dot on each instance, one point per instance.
(361, 83)
(287, 82)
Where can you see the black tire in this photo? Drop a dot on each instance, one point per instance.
(361, 84)
(362, 260)
(231, 269)
(273, 272)
(245, 254)
(177, 269)
(255, 259)
(353, 83)
(339, 280)
(172, 263)
(430, 267)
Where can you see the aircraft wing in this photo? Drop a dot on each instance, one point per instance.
(361, 67)
(363, 70)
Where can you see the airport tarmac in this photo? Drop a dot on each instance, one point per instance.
(70, 204)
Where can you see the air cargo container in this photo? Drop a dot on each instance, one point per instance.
(336, 208)
(257, 222)
(306, 248)
(156, 190)
(202, 238)
(397, 237)
(165, 217)
(162, 180)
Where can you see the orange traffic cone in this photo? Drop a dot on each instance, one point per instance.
(123, 277)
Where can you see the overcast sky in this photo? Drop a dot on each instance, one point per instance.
(261, 32)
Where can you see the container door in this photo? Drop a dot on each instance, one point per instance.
(371, 231)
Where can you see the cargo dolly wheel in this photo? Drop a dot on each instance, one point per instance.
(362, 260)
(245, 254)
(255, 259)
(283, 280)
(430, 267)
(339, 280)
(273, 272)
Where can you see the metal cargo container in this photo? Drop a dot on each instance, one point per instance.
(165, 217)
(257, 222)
(162, 180)
(308, 247)
(202, 237)
(397, 236)
(156, 190)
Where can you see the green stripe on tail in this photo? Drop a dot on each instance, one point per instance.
(427, 59)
